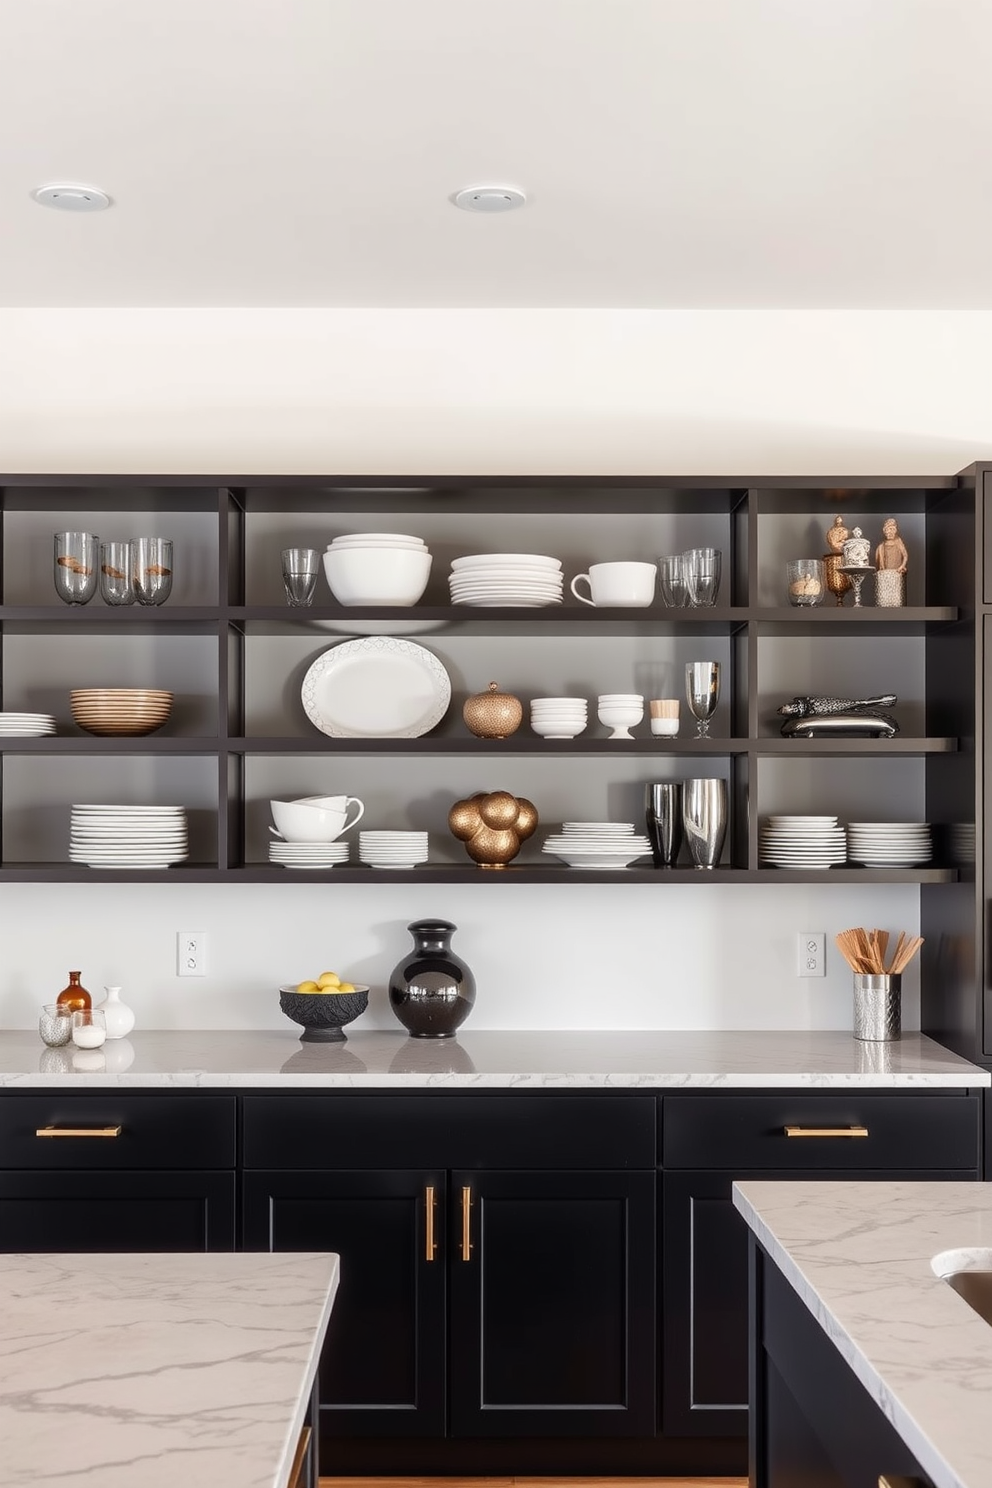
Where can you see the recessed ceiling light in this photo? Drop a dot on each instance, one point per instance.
(490, 199)
(68, 196)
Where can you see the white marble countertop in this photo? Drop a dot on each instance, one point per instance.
(859, 1255)
(168, 1371)
(547, 1060)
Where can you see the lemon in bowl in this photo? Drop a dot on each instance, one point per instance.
(322, 1011)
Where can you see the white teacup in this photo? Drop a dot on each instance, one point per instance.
(301, 822)
(618, 583)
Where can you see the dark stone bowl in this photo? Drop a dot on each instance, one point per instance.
(322, 1015)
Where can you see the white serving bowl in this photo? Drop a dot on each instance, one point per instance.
(564, 728)
(306, 823)
(368, 576)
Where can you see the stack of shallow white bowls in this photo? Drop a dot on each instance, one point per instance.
(117, 711)
(558, 717)
(889, 844)
(802, 842)
(392, 849)
(521, 579)
(583, 844)
(26, 725)
(128, 836)
(377, 568)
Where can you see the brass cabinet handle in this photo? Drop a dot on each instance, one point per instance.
(295, 1472)
(826, 1131)
(466, 1223)
(897, 1480)
(78, 1131)
(429, 1207)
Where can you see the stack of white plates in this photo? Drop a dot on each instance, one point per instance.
(889, 844)
(392, 849)
(308, 854)
(559, 717)
(128, 836)
(597, 844)
(522, 579)
(802, 842)
(26, 725)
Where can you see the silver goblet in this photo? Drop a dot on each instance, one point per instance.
(702, 691)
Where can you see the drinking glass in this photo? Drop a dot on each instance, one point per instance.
(55, 1025)
(116, 581)
(663, 817)
(702, 692)
(151, 568)
(673, 586)
(300, 567)
(76, 566)
(704, 817)
(702, 574)
(89, 1028)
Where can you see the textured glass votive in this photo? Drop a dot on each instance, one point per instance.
(55, 1025)
(806, 581)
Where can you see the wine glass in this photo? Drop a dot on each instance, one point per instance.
(702, 691)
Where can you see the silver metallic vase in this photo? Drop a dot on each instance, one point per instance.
(663, 816)
(704, 816)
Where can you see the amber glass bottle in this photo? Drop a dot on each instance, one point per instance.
(75, 995)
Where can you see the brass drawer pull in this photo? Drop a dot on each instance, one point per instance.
(826, 1131)
(78, 1131)
(466, 1223)
(296, 1471)
(429, 1207)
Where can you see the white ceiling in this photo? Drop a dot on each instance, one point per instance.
(677, 153)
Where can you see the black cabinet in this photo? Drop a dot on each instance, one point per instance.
(815, 1424)
(920, 1137)
(504, 1287)
(113, 1172)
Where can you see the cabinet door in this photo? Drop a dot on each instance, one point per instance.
(89, 1211)
(552, 1279)
(382, 1369)
(704, 1290)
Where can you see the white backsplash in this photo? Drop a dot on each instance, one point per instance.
(546, 956)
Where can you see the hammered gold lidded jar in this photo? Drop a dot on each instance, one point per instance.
(493, 714)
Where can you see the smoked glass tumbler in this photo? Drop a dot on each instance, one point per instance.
(76, 566)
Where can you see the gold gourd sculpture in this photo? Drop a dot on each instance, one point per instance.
(493, 825)
(493, 714)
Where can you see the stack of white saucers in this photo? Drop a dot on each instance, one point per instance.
(559, 717)
(26, 725)
(802, 842)
(128, 836)
(392, 849)
(889, 844)
(597, 844)
(522, 579)
(308, 854)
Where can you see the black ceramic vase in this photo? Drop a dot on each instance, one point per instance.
(432, 991)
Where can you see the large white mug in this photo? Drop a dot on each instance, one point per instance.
(618, 583)
(298, 821)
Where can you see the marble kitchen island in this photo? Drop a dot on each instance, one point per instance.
(849, 1266)
(158, 1370)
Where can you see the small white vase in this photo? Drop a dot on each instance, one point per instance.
(120, 1018)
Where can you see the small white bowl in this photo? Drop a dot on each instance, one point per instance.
(562, 728)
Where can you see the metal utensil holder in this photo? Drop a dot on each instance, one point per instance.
(877, 1008)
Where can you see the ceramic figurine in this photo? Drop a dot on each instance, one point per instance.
(891, 562)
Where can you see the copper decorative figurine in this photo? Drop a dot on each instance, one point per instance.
(493, 825)
(837, 582)
(891, 563)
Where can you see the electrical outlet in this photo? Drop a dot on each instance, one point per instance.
(811, 949)
(191, 953)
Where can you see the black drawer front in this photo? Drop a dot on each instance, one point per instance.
(156, 1131)
(904, 1131)
(449, 1131)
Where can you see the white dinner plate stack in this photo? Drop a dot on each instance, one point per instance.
(128, 836)
(521, 579)
(802, 842)
(889, 844)
(392, 849)
(597, 844)
(26, 725)
(308, 854)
